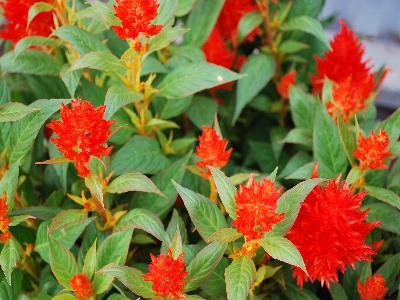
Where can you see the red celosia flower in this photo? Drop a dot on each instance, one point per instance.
(373, 289)
(255, 208)
(217, 51)
(353, 80)
(229, 18)
(3, 204)
(15, 13)
(82, 286)
(4, 222)
(167, 275)
(82, 133)
(5, 237)
(136, 17)
(286, 83)
(372, 151)
(330, 232)
(212, 150)
(377, 245)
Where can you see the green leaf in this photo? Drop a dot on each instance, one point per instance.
(292, 46)
(299, 136)
(118, 96)
(101, 282)
(145, 220)
(130, 277)
(30, 41)
(166, 37)
(290, 202)
(161, 205)
(36, 9)
(131, 182)
(202, 20)
(202, 111)
(239, 277)
(327, 148)
(14, 111)
(226, 191)
(302, 172)
(4, 91)
(19, 219)
(166, 12)
(9, 257)
(71, 79)
(308, 25)
(114, 249)
(337, 292)
(205, 215)
(98, 60)
(282, 249)
(224, 235)
(203, 265)
(24, 131)
(383, 195)
(89, 264)
(215, 285)
(8, 184)
(195, 77)
(139, 154)
(176, 244)
(63, 297)
(62, 262)
(83, 41)
(32, 62)
(95, 186)
(390, 269)
(387, 215)
(260, 68)
(293, 292)
(248, 23)
(391, 125)
(184, 7)
(175, 107)
(348, 140)
(302, 107)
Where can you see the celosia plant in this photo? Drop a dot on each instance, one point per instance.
(224, 150)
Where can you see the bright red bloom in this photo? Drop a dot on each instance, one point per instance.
(167, 275)
(5, 237)
(15, 13)
(286, 83)
(3, 204)
(330, 232)
(229, 18)
(82, 133)
(136, 17)
(377, 245)
(212, 150)
(373, 289)
(82, 286)
(372, 151)
(4, 222)
(256, 208)
(353, 80)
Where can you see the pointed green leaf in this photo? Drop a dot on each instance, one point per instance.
(9, 257)
(239, 277)
(226, 191)
(131, 182)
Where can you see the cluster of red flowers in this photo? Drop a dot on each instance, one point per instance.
(372, 151)
(167, 275)
(221, 46)
(136, 17)
(212, 150)
(4, 219)
(82, 133)
(81, 286)
(353, 80)
(373, 289)
(286, 83)
(255, 208)
(15, 13)
(330, 232)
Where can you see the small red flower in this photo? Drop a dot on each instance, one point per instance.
(4, 223)
(286, 83)
(372, 151)
(15, 13)
(81, 286)
(373, 289)
(212, 150)
(330, 232)
(4, 219)
(377, 245)
(255, 208)
(5, 237)
(3, 204)
(82, 133)
(136, 17)
(167, 275)
(353, 80)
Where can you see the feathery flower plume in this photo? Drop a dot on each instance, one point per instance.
(5, 221)
(81, 286)
(286, 83)
(373, 289)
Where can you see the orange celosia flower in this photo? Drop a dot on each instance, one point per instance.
(372, 151)
(4, 223)
(15, 13)
(212, 150)
(255, 208)
(4, 219)
(353, 80)
(3, 204)
(373, 289)
(167, 275)
(286, 83)
(136, 17)
(81, 286)
(5, 237)
(330, 232)
(377, 245)
(82, 133)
